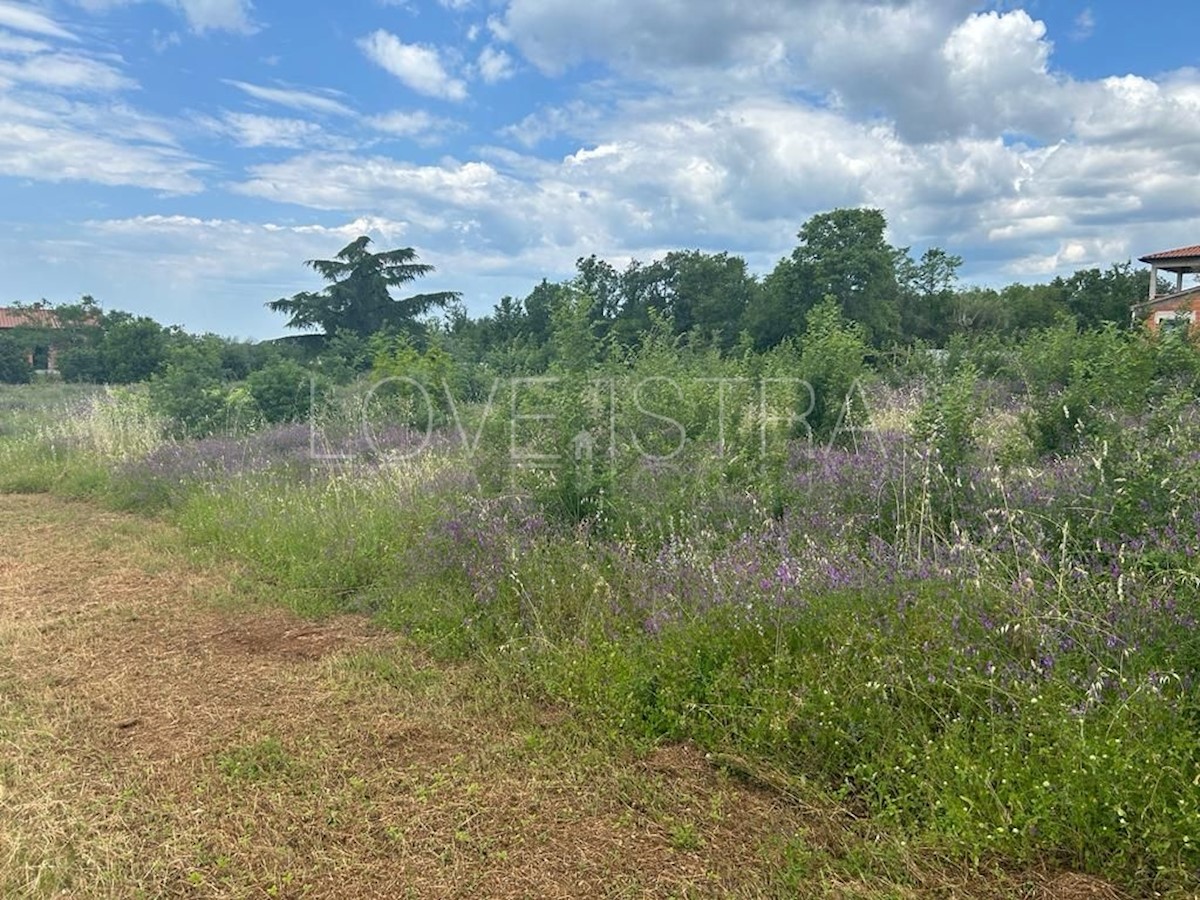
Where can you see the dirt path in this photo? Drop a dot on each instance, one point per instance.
(156, 743)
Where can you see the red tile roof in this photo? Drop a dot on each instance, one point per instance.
(1180, 253)
(28, 318)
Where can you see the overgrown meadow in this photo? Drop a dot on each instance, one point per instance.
(959, 591)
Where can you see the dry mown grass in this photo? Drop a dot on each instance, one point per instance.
(155, 744)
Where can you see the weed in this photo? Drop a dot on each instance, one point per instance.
(262, 760)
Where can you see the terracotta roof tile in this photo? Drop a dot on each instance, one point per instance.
(1179, 253)
(27, 318)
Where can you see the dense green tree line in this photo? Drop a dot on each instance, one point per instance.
(708, 302)
(713, 300)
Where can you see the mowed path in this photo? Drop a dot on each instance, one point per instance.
(160, 737)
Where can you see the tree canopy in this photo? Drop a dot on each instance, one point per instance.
(358, 297)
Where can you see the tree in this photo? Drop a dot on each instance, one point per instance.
(1096, 297)
(710, 294)
(777, 310)
(189, 390)
(927, 294)
(132, 349)
(358, 298)
(703, 294)
(843, 254)
(15, 367)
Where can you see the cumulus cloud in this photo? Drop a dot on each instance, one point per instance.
(574, 118)
(743, 172)
(933, 67)
(495, 65)
(738, 178)
(418, 66)
(715, 125)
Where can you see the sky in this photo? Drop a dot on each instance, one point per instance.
(182, 158)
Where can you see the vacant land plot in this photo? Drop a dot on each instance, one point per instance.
(157, 744)
(163, 739)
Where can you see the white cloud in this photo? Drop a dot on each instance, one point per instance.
(402, 124)
(715, 124)
(21, 17)
(1085, 25)
(218, 15)
(66, 72)
(417, 124)
(416, 65)
(498, 30)
(201, 15)
(49, 138)
(932, 66)
(16, 45)
(57, 153)
(250, 130)
(495, 65)
(163, 42)
(186, 228)
(294, 98)
(575, 118)
(743, 173)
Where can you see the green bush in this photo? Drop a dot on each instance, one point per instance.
(283, 391)
(949, 417)
(833, 360)
(190, 392)
(1073, 376)
(15, 367)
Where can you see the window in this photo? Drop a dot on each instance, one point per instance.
(1175, 319)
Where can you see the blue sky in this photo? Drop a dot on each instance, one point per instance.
(181, 158)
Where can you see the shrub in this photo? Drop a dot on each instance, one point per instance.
(189, 392)
(15, 367)
(833, 361)
(283, 391)
(948, 419)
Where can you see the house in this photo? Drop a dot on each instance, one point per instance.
(1179, 308)
(33, 325)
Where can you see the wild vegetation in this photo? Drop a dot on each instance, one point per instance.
(956, 590)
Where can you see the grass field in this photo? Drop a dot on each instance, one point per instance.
(170, 732)
(995, 700)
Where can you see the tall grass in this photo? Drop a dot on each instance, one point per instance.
(994, 657)
(68, 438)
